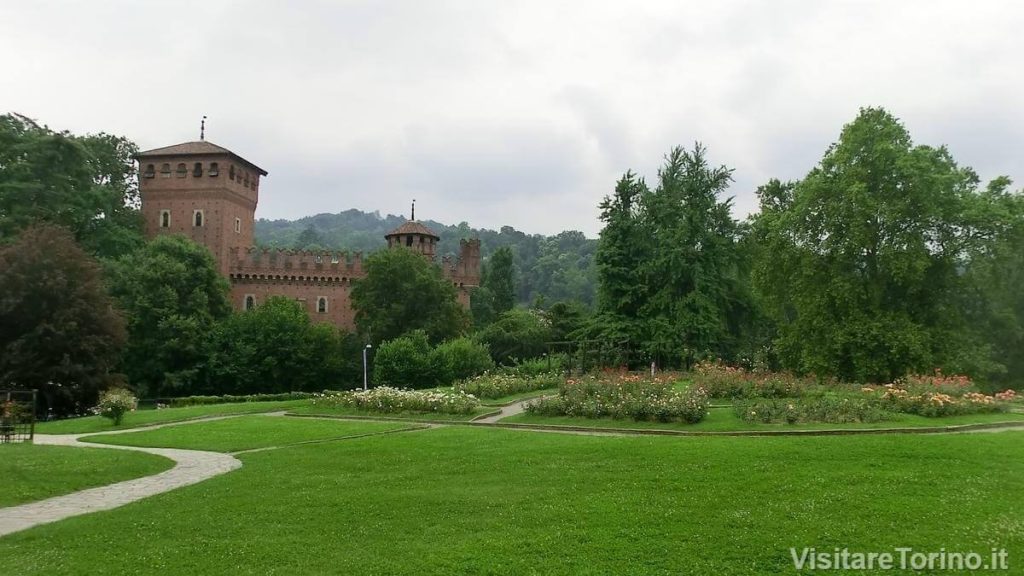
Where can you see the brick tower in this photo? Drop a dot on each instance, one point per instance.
(202, 191)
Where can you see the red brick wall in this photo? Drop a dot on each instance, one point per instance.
(339, 308)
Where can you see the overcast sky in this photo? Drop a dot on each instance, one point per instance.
(517, 113)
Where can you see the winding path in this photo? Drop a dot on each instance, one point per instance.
(191, 467)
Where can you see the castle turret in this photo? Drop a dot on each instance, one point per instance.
(416, 236)
(203, 191)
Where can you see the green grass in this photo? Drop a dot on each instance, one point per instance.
(346, 411)
(29, 473)
(518, 396)
(486, 501)
(725, 420)
(244, 433)
(145, 417)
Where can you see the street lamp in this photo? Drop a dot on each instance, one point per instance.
(368, 346)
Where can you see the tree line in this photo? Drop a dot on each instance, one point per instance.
(887, 258)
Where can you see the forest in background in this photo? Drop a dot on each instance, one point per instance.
(547, 269)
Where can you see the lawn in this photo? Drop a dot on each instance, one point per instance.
(460, 500)
(348, 411)
(144, 417)
(245, 433)
(725, 420)
(29, 473)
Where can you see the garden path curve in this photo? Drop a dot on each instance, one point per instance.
(506, 411)
(191, 467)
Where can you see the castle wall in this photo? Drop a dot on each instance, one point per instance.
(226, 189)
(307, 292)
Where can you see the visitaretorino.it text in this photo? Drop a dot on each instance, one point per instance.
(898, 559)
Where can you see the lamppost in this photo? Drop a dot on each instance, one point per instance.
(368, 346)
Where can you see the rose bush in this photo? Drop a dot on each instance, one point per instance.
(630, 396)
(387, 400)
(114, 404)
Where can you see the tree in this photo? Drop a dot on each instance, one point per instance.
(172, 296)
(669, 265)
(85, 183)
(403, 291)
(275, 348)
(59, 331)
(863, 259)
(309, 239)
(516, 335)
(500, 280)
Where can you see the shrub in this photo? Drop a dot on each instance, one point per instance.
(460, 359)
(537, 366)
(936, 383)
(722, 381)
(114, 404)
(406, 362)
(934, 404)
(829, 408)
(505, 384)
(230, 399)
(624, 397)
(389, 400)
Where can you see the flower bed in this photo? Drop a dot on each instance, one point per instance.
(827, 409)
(387, 400)
(722, 381)
(933, 404)
(505, 384)
(624, 397)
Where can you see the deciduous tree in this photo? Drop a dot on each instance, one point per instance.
(59, 331)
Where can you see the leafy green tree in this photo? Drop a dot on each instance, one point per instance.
(516, 335)
(461, 358)
(275, 348)
(172, 296)
(694, 271)
(481, 306)
(85, 183)
(406, 362)
(402, 291)
(500, 279)
(863, 259)
(566, 318)
(59, 331)
(309, 239)
(669, 265)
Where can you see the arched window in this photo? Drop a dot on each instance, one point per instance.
(150, 171)
(182, 170)
(246, 179)
(197, 218)
(197, 169)
(165, 170)
(214, 169)
(238, 225)
(408, 240)
(231, 172)
(165, 218)
(321, 305)
(250, 301)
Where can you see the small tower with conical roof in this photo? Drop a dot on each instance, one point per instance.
(415, 236)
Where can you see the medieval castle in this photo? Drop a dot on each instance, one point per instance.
(209, 194)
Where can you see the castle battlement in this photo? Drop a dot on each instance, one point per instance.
(292, 264)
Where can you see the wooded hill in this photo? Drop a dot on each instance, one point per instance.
(549, 268)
